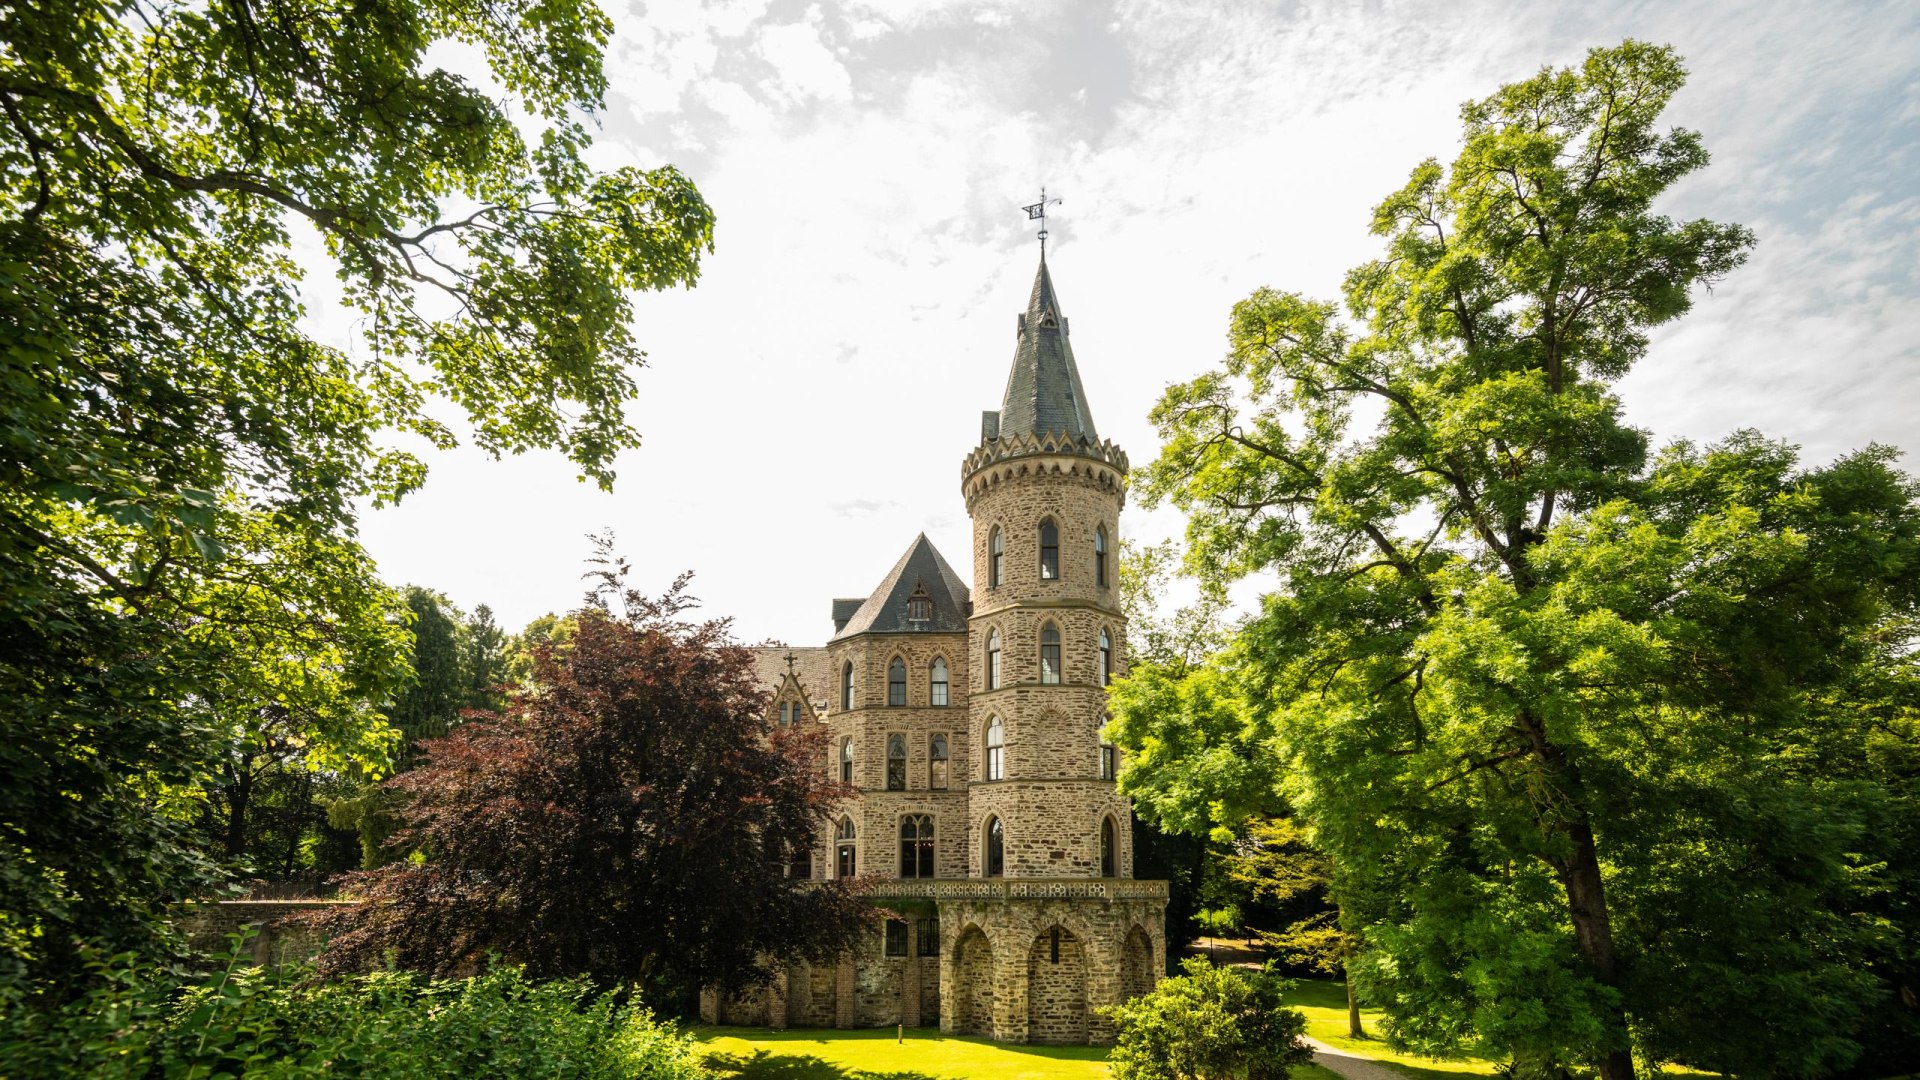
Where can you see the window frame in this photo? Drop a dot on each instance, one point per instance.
(846, 760)
(993, 852)
(1100, 556)
(896, 687)
(940, 753)
(1109, 761)
(996, 558)
(1049, 550)
(994, 761)
(939, 683)
(896, 780)
(1109, 847)
(1106, 657)
(993, 659)
(846, 849)
(917, 850)
(929, 934)
(896, 931)
(1050, 673)
(846, 687)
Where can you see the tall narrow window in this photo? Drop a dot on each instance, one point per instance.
(846, 760)
(1108, 762)
(937, 763)
(783, 714)
(1106, 657)
(896, 683)
(896, 762)
(1106, 847)
(1049, 550)
(1100, 556)
(930, 937)
(996, 749)
(937, 683)
(995, 862)
(993, 660)
(1049, 654)
(916, 846)
(996, 556)
(846, 687)
(844, 843)
(896, 937)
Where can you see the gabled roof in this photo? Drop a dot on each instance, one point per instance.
(920, 571)
(811, 669)
(1043, 389)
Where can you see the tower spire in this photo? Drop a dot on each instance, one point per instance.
(1044, 395)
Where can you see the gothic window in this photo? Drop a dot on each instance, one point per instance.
(993, 660)
(919, 605)
(1106, 847)
(916, 846)
(937, 763)
(1049, 654)
(783, 714)
(845, 848)
(996, 748)
(896, 762)
(1049, 550)
(896, 683)
(929, 937)
(1100, 556)
(846, 760)
(937, 683)
(846, 687)
(1108, 761)
(995, 863)
(996, 556)
(896, 937)
(1106, 657)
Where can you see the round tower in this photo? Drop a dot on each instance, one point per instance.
(1046, 633)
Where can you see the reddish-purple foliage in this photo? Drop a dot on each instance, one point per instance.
(626, 818)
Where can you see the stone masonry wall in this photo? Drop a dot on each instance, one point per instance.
(278, 939)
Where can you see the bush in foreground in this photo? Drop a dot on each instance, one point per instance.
(282, 1024)
(1211, 1023)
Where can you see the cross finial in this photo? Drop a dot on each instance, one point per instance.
(1039, 210)
(790, 658)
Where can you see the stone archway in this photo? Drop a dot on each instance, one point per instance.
(1057, 987)
(972, 983)
(1136, 964)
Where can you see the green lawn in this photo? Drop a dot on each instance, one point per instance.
(925, 1054)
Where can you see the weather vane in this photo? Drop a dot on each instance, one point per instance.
(1039, 210)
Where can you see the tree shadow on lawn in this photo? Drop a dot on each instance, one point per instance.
(762, 1065)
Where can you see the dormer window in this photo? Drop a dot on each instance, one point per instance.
(920, 605)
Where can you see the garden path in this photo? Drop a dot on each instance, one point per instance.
(1349, 1066)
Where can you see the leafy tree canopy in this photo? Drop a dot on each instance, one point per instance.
(180, 460)
(1572, 718)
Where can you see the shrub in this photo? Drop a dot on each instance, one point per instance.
(1211, 1023)
(280, 1023)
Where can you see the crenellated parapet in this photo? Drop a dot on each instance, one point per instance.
(1011, 456)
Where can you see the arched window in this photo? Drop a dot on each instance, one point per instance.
(1100, 555)
(783, 715)
(994, 863)
(996, 556)
(996, 749)
(937, 682)
(845, 848)
(1106, 847)
(846, 687)
(916, 846)
(1049, 550)
(1049, 654)
(1106, 657)
(897, 683)
(993, 660)
(896, 762)
(846, 760)
(937, 763)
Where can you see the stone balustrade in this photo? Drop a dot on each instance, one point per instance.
(990, 889)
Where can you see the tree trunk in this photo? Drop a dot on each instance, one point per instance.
(1353, 1008)
(237, 798)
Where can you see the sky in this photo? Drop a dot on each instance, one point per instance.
(806, 407)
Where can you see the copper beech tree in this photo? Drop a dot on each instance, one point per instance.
(630, 816)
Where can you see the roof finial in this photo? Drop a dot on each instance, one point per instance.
(790, 658)
(1039, 210)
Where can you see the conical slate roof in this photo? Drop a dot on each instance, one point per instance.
(1044, 395)
(921, 571)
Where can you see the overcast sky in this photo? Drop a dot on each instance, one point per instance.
(806, 408)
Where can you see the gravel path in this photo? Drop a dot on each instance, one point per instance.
(1349, 1066)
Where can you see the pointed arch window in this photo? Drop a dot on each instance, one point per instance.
(916, 846)
(846, 760)
(996, 749)
(937, 762)
(896, 682)
(846, 850)
(896, 762)
(1049, 550)
(996, 556)
(1106, 847)
(1049, 654)
(993, 660)
(994, 859)
(1100, 555)
(784, 721)
(937, 682)
(846, 687)
(1106, 657)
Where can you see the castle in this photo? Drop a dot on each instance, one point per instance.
(970, 723)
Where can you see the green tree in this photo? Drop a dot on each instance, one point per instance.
(1209, 1023)
(486, 652)
(1569, 716)
(167, 426)
(1278, 864)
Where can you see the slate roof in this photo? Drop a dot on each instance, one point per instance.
(810, 667)
(1044, 394)
(921, 567)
